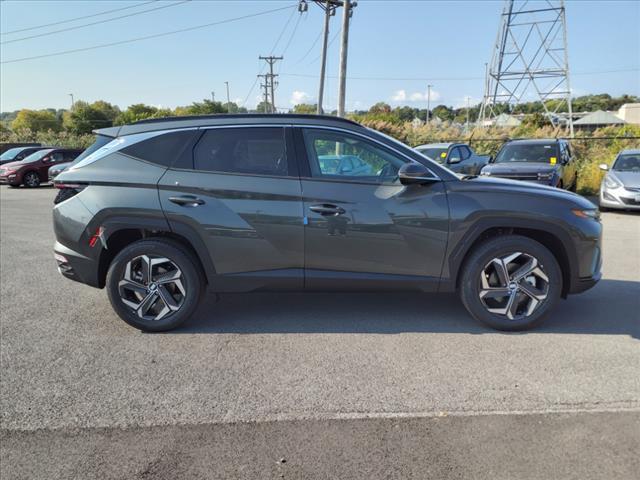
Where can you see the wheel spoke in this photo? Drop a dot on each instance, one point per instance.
(531, 291)
(512, 305)
(146, 303)
(126, 284)
(167, 298)
(168, 277)
(524, 270)
(494, 293)
(501, 270)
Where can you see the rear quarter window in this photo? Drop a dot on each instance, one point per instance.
(168, 149)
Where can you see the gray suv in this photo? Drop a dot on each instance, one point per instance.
(162, 210)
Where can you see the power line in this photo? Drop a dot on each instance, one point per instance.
(282, 31)
(147, 37)
(78, 18)
(295, 27)
(427, 79)
(94, 23)
(310, 48)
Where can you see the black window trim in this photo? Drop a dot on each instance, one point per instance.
(304, 161)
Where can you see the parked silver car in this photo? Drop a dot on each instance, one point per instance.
(621, 185)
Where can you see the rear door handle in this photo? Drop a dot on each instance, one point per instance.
(327, 210)
(187, 201)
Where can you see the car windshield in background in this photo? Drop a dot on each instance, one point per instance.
(434, 153)
(627, 163)
(11, 153)
(34, 157)
(100, 142)
(534, 153)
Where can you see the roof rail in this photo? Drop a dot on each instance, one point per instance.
(244, 115)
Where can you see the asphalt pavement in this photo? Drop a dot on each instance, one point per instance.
(311, 385)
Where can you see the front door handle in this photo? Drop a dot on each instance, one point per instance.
(327, 210)
(187, 201)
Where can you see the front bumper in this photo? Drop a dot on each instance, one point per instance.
(9, 180)
(619, 198)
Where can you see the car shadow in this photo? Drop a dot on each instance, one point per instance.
(611, 308)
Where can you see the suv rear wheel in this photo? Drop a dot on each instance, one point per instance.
(153, 285)
(510, 282)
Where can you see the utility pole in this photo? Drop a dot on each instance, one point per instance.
(428, 101)
(265, 94)
(228, 100)
(271, 60)
(468, 99)
(213, 96)
(329, 7)
(344, 46)
(72, 102)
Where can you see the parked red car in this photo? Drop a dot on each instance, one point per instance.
(34, 170)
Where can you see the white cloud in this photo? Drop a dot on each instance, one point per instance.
(298, 97)
(402, 96)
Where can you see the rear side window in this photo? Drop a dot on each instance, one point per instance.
(165, 149)
(256, 151)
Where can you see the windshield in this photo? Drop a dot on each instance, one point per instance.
(11, 153)
(437, 154)
(34, 157)
(534, 152)
(627, 163)
(100, 142)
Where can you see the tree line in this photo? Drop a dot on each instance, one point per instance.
(84, 117)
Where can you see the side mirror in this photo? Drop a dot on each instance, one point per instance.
(415, 174)
(454, 160)
(490, 159)
(604, 166)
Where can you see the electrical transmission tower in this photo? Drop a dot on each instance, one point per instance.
(530, 61)
(270, 83)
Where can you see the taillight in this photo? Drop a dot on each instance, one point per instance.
(66, 191)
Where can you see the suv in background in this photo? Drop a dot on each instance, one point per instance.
(545, 161)
(34, 169)
(165, 209)
(17, 154)
(458, 157)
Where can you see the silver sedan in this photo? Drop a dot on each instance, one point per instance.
(621, 185)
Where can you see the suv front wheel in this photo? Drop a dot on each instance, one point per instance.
(510, 282)
(153, 285)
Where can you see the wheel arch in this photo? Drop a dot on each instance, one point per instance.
(549, 235)
(120, 232)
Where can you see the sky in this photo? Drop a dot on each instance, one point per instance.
(396, 48)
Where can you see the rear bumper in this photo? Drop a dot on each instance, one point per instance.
(76, 266)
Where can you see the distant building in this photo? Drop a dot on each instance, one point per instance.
(630, 113)
(598, 119)
(506, 120)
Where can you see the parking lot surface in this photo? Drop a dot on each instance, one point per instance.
(312, 385)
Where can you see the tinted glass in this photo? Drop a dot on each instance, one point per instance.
(163, 149)
(11, 153)
(535, 152)
(454, 156)
(627, 163)
(258, 151)
(465, 152)
(342, 156)
(100, 142)
(34, 157)
(437, 154)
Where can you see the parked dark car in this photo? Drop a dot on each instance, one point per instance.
(164, 209)
(544, 161)
(458, 157)
(17, 154)
(34, 169)
(57, 170)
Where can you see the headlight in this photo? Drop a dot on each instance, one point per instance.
(545, 176)
(586, 213)
(611, 182)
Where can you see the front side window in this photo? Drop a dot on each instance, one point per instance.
(342, 156)
(248, 150)
(454, 156)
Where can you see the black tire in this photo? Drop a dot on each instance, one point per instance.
(499, 247)
(192, 280)
(14, 186)
(31, 180)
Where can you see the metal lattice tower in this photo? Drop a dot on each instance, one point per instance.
(530, 61)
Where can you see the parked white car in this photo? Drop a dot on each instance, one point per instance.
(621, 185)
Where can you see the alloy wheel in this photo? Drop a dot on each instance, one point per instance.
(513, 286)
(152, 287)
(31, 180)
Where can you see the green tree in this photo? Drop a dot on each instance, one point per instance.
(84, 117)
(263, 107)
(305, 108)
(140, 111)
(36, 120)
(206, 107)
